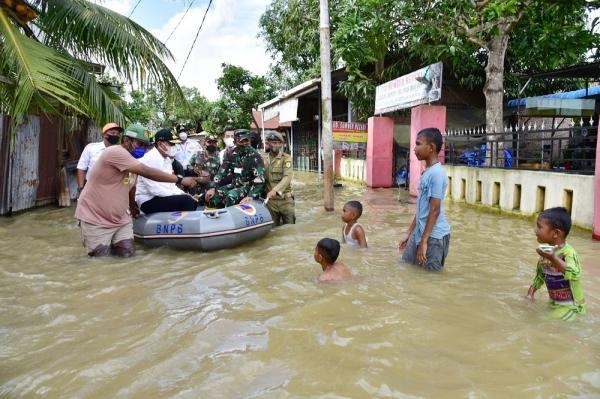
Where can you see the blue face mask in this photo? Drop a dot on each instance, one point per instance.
(138, 152)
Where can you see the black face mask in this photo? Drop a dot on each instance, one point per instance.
(112, 139)
(211, 148)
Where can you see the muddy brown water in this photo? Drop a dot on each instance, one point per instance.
(252, 322)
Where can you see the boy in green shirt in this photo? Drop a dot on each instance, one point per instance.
(559, 266)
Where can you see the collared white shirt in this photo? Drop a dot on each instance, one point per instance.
(147, 189)
(90, 155)
(185, 151)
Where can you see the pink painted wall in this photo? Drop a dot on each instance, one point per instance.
(380, 151)
(421, 117)
(596, 221)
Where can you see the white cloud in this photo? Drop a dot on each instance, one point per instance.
(229, 35)
(120, 6)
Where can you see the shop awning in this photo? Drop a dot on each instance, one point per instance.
(575, 94)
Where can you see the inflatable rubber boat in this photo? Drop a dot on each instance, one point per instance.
(205, 230)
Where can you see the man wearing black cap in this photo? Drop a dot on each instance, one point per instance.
(278, 176)
(103, 207)
(152, 196)
(243, 167)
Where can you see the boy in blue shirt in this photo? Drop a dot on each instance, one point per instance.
(427, 240)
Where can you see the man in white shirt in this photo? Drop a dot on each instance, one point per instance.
(228, 141)
(153, 196)
(102, 209)
(111, 133)
(186, 149)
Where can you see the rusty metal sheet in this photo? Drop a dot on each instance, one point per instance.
(48, 159)
(25, 165)
(4, 166)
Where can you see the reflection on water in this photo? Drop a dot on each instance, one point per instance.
(252, 321)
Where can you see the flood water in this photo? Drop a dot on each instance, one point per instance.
(252, 322)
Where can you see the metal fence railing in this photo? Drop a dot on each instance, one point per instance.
(569, 150)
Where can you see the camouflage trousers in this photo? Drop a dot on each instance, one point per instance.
(282, 210)
(227, 196)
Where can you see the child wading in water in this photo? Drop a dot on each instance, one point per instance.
(558, 266)
(427, 240)
(326, 254)
(352, 232)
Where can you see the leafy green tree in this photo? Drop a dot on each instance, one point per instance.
(555, 31)
(379, 40)
(139, 109)
(241, 91)
(154, 109)
(47, 49)
(291, 27)
(197, 110)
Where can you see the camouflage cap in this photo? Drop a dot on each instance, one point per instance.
(242, 134)
(138, 132)
(211, 137)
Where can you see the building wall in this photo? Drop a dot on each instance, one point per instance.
(523, 192)
(30, 164)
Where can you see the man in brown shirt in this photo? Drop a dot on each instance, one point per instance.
(103, 206)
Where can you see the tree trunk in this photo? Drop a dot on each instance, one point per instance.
(494, 97)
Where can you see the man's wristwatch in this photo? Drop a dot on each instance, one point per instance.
(179, 179)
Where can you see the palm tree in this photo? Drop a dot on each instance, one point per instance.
(48, 46)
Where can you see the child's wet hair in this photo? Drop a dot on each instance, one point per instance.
(355, 205)
(558, 218)
(432, 135)
(329, 248)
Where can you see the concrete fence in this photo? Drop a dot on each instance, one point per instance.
(353, 169)
(523, 192)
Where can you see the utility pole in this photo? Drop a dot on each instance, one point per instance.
(326, 134)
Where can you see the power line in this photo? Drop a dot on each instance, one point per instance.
(194, 42)
(134, 7)
(178, 23)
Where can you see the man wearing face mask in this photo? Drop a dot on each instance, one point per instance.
(186, 148)
(141, 138)
(152, 196)
(111, 133)
(244, 168)
(228, 140)
(204, 165)
(278, 177)
(102, 209)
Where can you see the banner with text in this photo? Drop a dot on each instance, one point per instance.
(350, 138)
(419, 87)
(350, 132)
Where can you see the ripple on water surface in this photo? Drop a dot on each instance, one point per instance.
(252, 321)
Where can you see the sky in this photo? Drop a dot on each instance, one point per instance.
(229, 35)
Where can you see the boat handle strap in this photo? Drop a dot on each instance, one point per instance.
(214, 214)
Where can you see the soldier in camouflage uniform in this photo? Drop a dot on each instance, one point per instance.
(244, 168)
(204, 166)
(278, 175)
